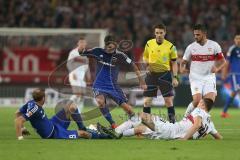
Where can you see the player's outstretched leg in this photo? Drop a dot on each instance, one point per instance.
(101, 102)
(110, 132)
(91, 134)
(76, 116)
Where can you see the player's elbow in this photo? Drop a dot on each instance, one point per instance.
(19, 120)
(197, 125)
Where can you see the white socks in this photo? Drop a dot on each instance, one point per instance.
(190, 108)
(124, 126)
(129, 132)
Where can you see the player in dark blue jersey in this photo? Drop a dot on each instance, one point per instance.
(233, 68)
(56, 127)
(105, 85)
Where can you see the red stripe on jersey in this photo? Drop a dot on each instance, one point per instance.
(190, 117)
(219, 56)
(203, 58)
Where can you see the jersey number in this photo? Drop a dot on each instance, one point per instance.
(72, 136)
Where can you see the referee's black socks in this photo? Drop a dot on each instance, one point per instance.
(147, 110)
(171, 114)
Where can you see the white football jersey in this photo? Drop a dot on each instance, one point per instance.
(207, 125)
(202, 59)
(77, 65)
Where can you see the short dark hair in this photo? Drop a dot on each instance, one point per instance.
(200, 27)
(38, 94)
(208, 103)
(109, 39)
(160, 26)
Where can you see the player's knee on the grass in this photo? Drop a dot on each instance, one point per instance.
(83, 134)
(147, 101)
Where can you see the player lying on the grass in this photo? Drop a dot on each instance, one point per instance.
(195, 126)
(56, 127)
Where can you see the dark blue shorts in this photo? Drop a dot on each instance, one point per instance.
(115, 93)
(61, 123)
(235, 82)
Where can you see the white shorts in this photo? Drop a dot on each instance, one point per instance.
(78, 86)
(203, 87)
(167, 130)
(79, 82)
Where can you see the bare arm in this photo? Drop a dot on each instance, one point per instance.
(175, 73)
(24, 130)
(183, 66)
(197, 124)
(19, 121)
(225, 71)
(138, 73)
(174, 67)
(219, 65)
(217, 136)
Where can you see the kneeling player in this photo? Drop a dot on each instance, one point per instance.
(56, 127)
(195, 126)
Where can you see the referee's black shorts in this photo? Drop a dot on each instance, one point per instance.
(161, 81)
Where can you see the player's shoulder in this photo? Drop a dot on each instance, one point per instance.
(74, 51)
(192, 45)
(151, 42)
(212, 42)
(97, 49)
(31, 105)
(231, 48)
(118, 52)
(167, 43)
(198, 112)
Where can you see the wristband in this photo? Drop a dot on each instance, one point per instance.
(177, 77)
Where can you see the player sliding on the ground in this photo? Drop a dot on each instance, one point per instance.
(197, 125)
(56, 127)
(105, 85)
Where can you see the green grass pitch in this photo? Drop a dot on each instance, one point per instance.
(34, 148)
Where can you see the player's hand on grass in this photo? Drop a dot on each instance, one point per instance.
(25, 132)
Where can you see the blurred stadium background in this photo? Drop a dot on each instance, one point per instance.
(36, 37)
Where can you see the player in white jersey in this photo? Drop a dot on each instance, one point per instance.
(78, 74)
(197, 125)
(206, 59)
